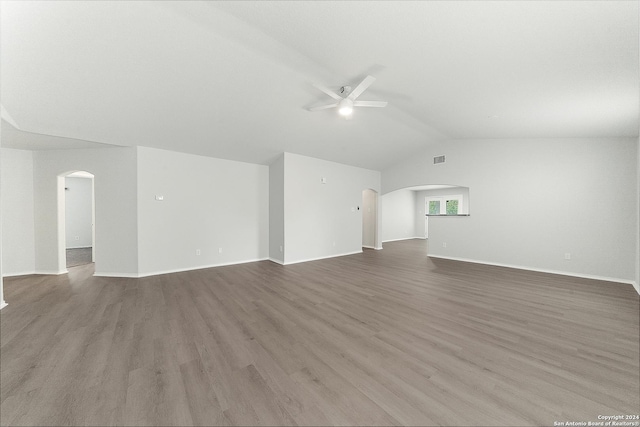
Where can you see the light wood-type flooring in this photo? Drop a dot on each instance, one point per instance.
(385, 337)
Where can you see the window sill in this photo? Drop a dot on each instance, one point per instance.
(448, 215)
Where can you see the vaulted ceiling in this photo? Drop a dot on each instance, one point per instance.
(234, 79)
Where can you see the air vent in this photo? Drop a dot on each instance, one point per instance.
(438, 159)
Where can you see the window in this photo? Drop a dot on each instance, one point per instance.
(434, 207)
(444, 205)
(452, 207)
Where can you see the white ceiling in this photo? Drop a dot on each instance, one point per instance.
(13, 137)
(431, 187)
(233, 79)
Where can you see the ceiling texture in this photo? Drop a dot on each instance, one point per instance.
(234, 79)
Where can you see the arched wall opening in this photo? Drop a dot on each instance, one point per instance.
(406, 211)
(76, 217)
(370, 233)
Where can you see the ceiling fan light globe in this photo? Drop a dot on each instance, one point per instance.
(345, 108)
(345, 111)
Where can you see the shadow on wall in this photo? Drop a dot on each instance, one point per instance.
(405, 212)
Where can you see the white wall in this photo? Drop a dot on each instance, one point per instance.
(78, 212)
(637, 281)
(369, 218)
(2, 301)
(534, 201)
(322, 220)
(421, 205)
(276, 210)
(208, 204)
(16, 169)
(115, 208)
(398, 215)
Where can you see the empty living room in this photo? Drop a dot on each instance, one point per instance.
(318, 213)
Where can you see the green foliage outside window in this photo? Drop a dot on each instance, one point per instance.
(434, 207)
(452, 207)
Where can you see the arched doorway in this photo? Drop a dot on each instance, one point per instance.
(407, 210)
(369, 218)
(76, 219)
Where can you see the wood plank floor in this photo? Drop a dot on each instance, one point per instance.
(380, 338)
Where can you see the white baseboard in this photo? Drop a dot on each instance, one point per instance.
(277, 261)
(115, 274)
(20, 273)
(79, 247)
(51, 272)
(29, 273)
(539, 270)
(404, 238)
(3, 304)
(368, 247)
(322, 257)
(180, 270)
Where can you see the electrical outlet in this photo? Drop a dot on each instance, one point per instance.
(197, 251)
(77, 237)
(280, 248)
(444, 244)
(219, 250)
(567, 256)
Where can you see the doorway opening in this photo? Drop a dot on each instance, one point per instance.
(410, 212)
(369, 218)
(76, 221)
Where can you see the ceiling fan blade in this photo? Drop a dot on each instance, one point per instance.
(370, 103)
(323, 107)
(364, 84)
(327, 91)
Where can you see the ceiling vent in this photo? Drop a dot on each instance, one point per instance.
(438, 159)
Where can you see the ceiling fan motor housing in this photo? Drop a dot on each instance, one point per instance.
(346, 100)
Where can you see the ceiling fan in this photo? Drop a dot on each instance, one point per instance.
(347, 99)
